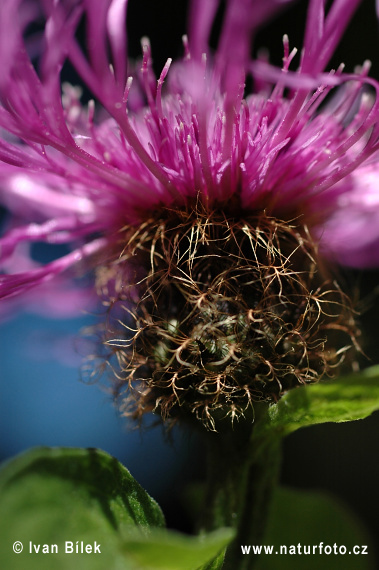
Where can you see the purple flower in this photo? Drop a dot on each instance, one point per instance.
(71, 172)
(301, 146)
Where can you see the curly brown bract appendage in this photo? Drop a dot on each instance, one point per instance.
(219, 314)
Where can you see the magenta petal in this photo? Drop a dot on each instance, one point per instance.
(11, 285)
(304, 143)
(58, 298)
(351, 233)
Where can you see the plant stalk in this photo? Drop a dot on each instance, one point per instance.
(242, 474)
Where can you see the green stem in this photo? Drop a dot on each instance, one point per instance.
(242, 473)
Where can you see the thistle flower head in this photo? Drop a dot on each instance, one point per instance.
(206, 209)
(222, 316)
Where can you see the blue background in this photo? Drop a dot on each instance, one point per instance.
(44, 401)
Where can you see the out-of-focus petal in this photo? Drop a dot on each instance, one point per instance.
(12, 285)
(351, 233)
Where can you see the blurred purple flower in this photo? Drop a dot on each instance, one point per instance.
(302, 144)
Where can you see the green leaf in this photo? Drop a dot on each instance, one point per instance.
(56, 496)
(345, 399)
(217, 563)
(53, 496)
(173, 551)
(309, 519)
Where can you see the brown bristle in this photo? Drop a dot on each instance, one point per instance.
(219, 313)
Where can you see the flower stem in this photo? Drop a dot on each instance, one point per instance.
(242, 473)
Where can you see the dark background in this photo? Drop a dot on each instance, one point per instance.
(44, 402)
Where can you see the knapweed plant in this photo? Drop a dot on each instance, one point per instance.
(213, 218)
